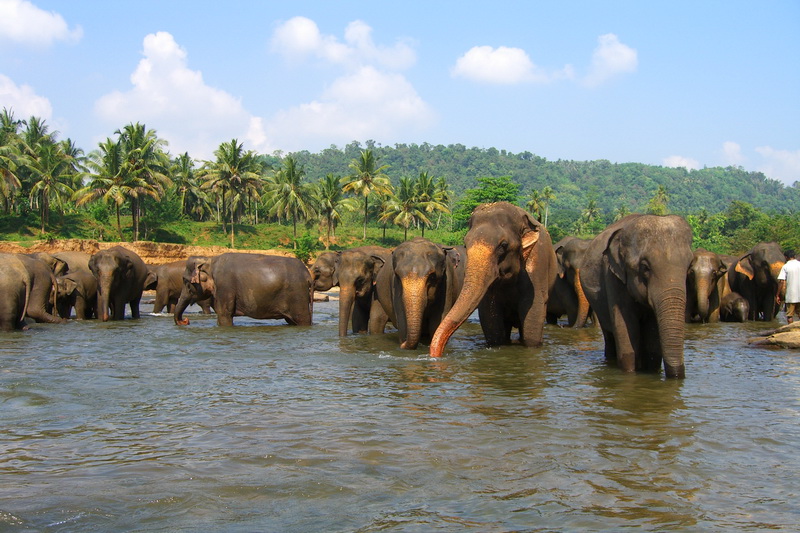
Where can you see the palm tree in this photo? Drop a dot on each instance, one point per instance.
(547, 197)
(428, 196)
(621, 212)
(289, 196)
(235, 171)
(405, 209)
(444, 196)
(329, 197)
(368, 178)
(535, 204)
(108, 182)
(9, 155)
(49, 171)
(144, 159)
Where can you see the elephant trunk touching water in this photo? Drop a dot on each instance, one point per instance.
(510, 270)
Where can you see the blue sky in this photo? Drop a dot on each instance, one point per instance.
(677, 83)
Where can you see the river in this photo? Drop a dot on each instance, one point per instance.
(141, 425)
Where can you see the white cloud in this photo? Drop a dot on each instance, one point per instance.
(23, 101)
(676, 161)
(609, 59)
(300, 37)
(24, 23)
(369, 99)
(503, 65)
(732, 154)
(782, 165)
(175, 101)
(365, 104)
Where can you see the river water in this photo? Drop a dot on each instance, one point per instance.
(141, 425)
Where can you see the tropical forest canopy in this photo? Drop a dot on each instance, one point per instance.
(132, 186)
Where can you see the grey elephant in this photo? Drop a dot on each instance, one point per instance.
(39, 285)
(634, 277)
(77, 290)
(510, 271)
(120, 275)
(755, 277)
(355, 272)
(56, 265)
(15, 286)
(74, 260)
(254, 285)
(706, 285)
(734, 308)
(418, 286)
(167, 281)
(566, 297)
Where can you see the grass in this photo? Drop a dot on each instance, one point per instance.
(26, 229)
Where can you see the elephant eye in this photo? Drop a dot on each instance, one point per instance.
(644, 270)
(502, 248)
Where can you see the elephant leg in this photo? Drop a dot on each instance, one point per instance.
(135, 307)
(626, 338)
(377, 318)
(491, 314)
(361, 315)
(80, 308)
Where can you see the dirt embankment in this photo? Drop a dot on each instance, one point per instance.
(152, 253)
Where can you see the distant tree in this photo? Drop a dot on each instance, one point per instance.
(367, 179)
(288, 195)
(658, 203)
(107, 180)
(490, 189)
(547, 196)
(10, 155)
(330, 201)
(535, 204)
(621, 212)
(50, 170)
(406, 208)
(429, 198)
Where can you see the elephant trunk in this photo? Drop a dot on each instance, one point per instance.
(104, 297)
(671, 326)
(583, 302)
(414, 300)
(183, 302)
(480, 273)
(703, 290)
(347, 300)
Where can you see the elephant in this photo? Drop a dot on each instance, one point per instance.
(567, 295)
(57, 266)
(40, 282)
(120, 275)
(74, 260)
(254, 285)
(755, 277)
(418, 286)
(77, 289)
(15, 286)
(634, 277)
(355, 272)
(706, 285)
(167, 281)
(734, 308)
(510, 271)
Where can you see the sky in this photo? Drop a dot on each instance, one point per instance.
(675, 83)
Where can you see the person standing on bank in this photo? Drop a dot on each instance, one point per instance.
(789, 286)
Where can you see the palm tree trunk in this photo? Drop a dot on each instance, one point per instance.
(232, 229)
(119, 225)
(366, 210)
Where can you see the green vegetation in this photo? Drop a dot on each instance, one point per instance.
(129, 187)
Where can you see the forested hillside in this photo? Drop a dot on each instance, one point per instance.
(613, 185)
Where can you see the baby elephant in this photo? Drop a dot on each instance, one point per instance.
(79, 290)
(734, 308)
(254, 285)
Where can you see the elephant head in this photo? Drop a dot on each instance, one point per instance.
(756, 278)
(569, 257)
(643, 261)
(501, 243)
(198, 284)
(356, 272)
(323, 271)
(702, 285)
(111, 271)
(423, 280)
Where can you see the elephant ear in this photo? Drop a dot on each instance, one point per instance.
(377, 265)
(531, 231)
(744, 266)
(615, 255)
(151, 281)
(452, 255)
(336, 264)
(562, 271)
(69, 286)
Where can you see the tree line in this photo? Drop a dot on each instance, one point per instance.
(405, 186)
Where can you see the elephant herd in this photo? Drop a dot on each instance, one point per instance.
(638, 280)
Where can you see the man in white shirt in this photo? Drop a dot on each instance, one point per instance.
(789, 286)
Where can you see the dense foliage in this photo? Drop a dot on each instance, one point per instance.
(131, 187)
